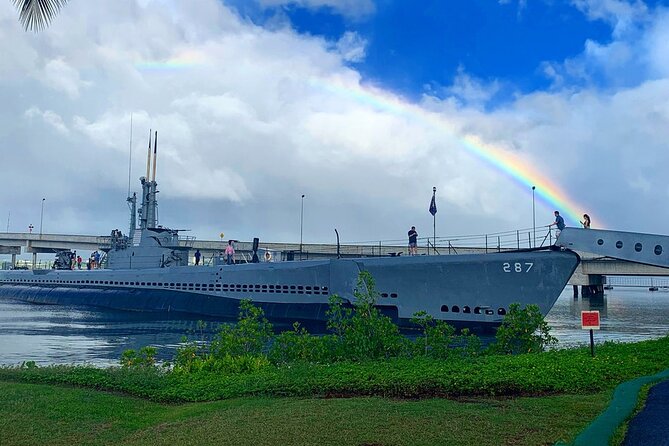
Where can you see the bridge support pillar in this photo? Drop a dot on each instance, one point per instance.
(594, 286)
(13, 260)
(592, 290)
(34, 260)
(591, 284)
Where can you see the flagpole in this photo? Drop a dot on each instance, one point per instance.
(434, 222)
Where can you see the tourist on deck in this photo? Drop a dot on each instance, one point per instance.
(559, 222)
(197, 257)
(97, 259)
(79, 260)
(413, 241)
(229, 253)
(586, 221)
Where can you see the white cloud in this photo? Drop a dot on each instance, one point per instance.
(636, 52)
(623, 15)
(351, 47)
(471, 91)
(49, 117)
(59, 75)
(354, 9)
(250, 118)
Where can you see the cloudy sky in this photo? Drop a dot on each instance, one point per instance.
(361, 105)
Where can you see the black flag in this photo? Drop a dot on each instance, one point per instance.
(433, 206)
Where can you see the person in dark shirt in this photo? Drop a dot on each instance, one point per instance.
(413, 241)
(586, 221)
(197, 257)
(559, 222)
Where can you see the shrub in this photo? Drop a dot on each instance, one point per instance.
(361, 332)
(249, 336)
(145, 357)
(523, 331)
(297, 345)
(439, 339)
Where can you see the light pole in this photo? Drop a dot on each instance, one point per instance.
(301, 223)
(534, 220)
(41, 217)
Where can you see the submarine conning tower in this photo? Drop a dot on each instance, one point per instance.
(149, 245)
(147, 212)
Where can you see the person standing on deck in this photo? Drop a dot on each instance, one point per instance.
(197, 257)
(559, 222)
(229, 253)
(413, 241)
(586, 221)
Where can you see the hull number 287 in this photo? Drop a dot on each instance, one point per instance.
(517, 267)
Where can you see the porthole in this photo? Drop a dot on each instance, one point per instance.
(619, 244)
(658, 250)
(455, 309)
(600, 242)
(501, 311)
(393, 295)
(466, 309)
(638, 247)
(444, 308)
(386, 295)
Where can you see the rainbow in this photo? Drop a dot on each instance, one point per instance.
(509, 164)
(180, 61)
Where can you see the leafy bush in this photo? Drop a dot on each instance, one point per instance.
(145, 357)
(361, 332)
(249, 336)
(238, 348)
(523, 331)
(298, 345)
(440, 340)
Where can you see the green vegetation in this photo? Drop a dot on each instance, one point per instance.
(559, 371)
(37, 414)
(364, 356)
(523, 331)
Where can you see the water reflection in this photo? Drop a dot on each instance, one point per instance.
(626, 315)
(53, 334)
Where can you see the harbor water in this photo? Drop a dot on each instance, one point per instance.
(61, 335)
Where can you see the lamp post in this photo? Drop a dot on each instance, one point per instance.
(301, 223)
(534, 220)
(41, 217)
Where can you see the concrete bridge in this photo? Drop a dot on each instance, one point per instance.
(598, 260)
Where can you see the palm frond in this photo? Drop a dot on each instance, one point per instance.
(35, 15)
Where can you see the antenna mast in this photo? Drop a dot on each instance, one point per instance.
(130, 157)
(155, 155)
(148, 159)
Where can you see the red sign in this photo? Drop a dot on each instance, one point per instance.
(590, 320)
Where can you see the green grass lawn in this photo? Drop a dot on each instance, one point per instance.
(35, 414)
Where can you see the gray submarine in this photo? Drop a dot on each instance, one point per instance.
(148, 271)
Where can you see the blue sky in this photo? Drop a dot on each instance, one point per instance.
(414, 47)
